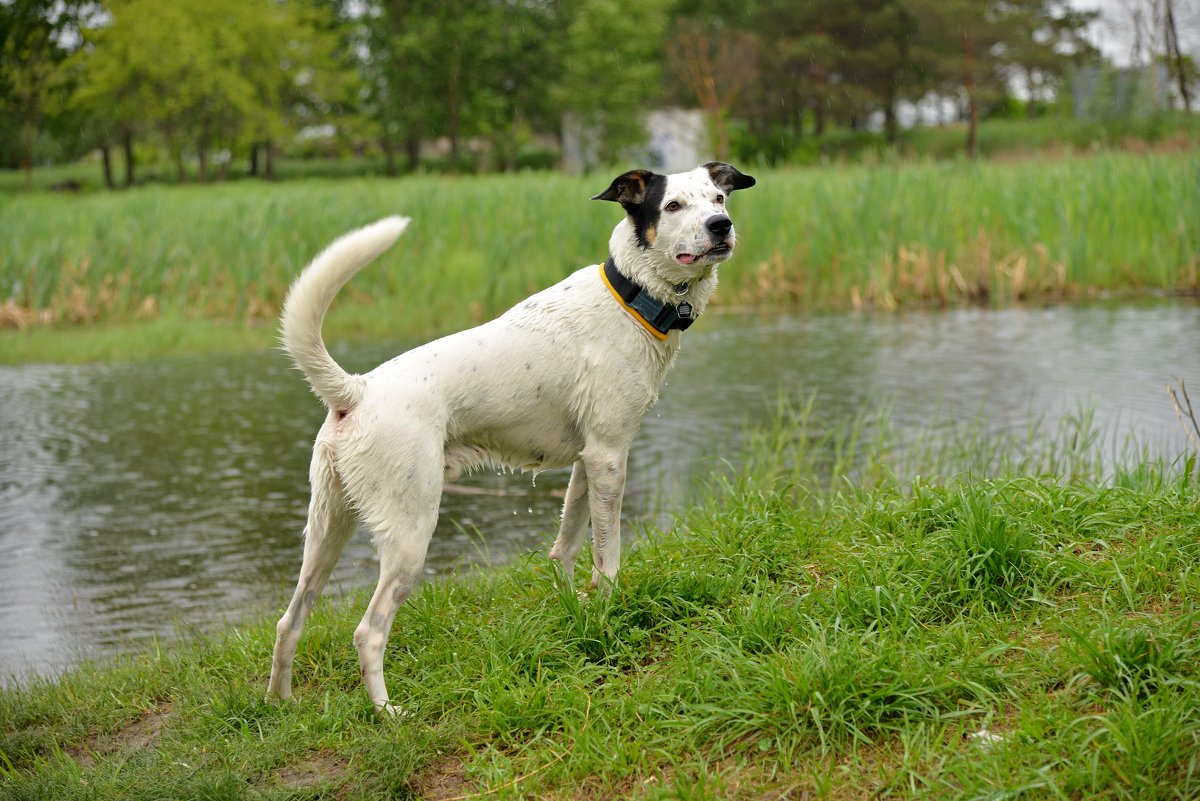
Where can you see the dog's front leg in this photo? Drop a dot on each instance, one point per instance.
(605, 468)
(574, 522)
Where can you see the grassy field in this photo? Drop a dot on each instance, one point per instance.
(1017, 137)
(978, 622)
(885, 235)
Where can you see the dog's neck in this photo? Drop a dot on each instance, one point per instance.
(661, 278)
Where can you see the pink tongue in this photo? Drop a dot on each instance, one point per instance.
(686, 258)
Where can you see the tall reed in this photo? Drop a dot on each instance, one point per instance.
(886, 235)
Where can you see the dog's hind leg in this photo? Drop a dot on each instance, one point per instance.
(401, 560)
(403, 521)
(330, 524)
(574, 522)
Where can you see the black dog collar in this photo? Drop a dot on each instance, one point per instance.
(658, 318)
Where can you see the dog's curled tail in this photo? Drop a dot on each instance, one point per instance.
(310, 297)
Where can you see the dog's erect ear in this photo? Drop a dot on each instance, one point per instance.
(629, 189)
(727, 176)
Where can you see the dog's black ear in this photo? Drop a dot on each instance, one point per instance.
(629, 189)
(727, 176)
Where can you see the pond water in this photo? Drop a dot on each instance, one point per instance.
(138, 498)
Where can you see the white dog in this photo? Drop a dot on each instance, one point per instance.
(563, 378)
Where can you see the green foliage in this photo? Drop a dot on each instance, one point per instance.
(206, 75)
(608, 87)
(32, 33)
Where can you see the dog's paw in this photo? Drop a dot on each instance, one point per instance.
(390, 711)
(602, 584)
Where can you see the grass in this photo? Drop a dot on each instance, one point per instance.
(888, 235)
(978, 620)
(1015, 137)
(124, 341)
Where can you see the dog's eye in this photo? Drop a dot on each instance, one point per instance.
(720, 201)
(674, 205)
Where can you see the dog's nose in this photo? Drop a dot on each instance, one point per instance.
(718, 225)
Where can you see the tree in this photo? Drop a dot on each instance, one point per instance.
(435, 77)
(714, 61)
(32, 37)
(960, 44)
(1046, 38)
(1174, 56)
(523, 59)
(1155, 25)
(401, 94)
(840, 59)
(604, 88)
(871, 59)
(205, 75)
(302, 74)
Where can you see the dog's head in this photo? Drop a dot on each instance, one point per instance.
(681, 219)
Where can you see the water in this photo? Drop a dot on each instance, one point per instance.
(136, 498)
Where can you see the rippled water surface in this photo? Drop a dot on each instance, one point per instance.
(136, 498)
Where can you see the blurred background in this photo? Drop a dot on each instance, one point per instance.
(210, 90)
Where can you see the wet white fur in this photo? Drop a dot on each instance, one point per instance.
(563, 378)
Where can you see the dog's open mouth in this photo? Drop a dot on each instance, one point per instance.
(721, 250)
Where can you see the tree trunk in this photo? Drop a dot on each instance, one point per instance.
(253, 160)
(972, 127)
(891, 125)
(1030, 85)
(453, 112)
(224, 166)
(28, 155)
(202, 158)
(1180, 64)
(270, 153)
(972, 106)
(412, 145)
(127, 146)
(106, 161)
(513, 145)
(389, 155)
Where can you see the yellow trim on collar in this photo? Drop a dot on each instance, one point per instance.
(659, 335)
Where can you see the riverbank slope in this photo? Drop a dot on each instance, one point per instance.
(826, 623)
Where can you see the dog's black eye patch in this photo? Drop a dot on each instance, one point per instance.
(640, 193)
(646, 215)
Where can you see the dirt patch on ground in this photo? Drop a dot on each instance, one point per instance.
(315, 770)
(442, 779)
(144, 732)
